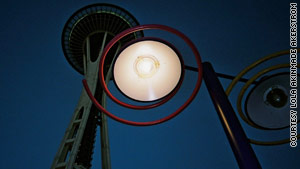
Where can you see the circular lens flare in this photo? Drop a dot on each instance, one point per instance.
(146, 66)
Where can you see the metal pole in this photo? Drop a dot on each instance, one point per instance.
(220, 75)
(238, 140)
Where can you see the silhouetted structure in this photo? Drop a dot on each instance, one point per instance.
(83, 39)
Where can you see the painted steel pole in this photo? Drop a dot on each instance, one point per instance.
(237, 138)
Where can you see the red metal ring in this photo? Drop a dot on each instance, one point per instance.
(102, 80)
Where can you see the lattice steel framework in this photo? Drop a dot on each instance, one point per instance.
(83, 39)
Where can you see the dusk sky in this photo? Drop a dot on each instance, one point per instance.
(39, 89)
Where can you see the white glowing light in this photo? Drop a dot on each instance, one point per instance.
(146, 66)
(147, 70)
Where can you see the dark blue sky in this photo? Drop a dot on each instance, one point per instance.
(39, 89)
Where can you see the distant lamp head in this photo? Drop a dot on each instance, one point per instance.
(267, 104)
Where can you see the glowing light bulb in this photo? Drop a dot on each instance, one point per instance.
(147, 70)
(146, 66)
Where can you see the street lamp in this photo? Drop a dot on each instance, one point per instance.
(147, 69)
(142, 65)
(167, 96)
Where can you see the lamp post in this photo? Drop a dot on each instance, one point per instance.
(237, 138)
(149, 69)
